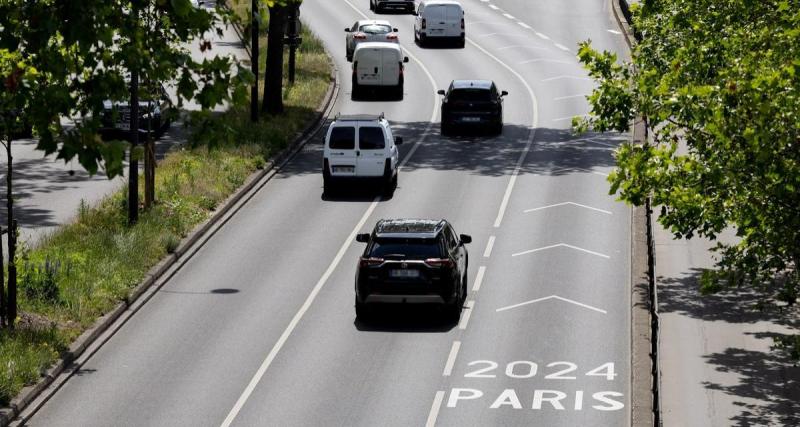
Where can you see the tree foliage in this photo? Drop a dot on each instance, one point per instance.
(719, 83)
(85, 49)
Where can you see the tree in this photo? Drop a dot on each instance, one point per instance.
(719, 84)
(273, 76)
(18, 81)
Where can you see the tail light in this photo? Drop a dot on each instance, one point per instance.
(360, 36)
(424, 23)
(391, 36)
(462, 23)
(439, 262)
(370, 262)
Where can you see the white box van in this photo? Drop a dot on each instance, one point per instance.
(360, 147)
(378, 64)
(439, 19)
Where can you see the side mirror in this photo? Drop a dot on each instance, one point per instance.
(395, 30)
(503, 93)
(363, 238)
(405, 59)
(440, 92)
(465, 238)
(346, 30)
(398, 140)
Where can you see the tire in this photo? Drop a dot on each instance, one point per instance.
(356, 89)
(453, 311)
(371, 6)
(398, 91)
(498, 129)
(363, 312)
(464, 287)
(462, 42)
(423, 40)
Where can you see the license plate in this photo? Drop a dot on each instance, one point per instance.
(369, 77)
(344, 169)
(404, 273)
(471, 119)
(124, 126)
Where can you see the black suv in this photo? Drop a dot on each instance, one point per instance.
(472, 103)
(155, 114)
(414, 261)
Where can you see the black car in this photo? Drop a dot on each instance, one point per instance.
(381, 5)
(412, 261)
(155, 114)
(472, 103)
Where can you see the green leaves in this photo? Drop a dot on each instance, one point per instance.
(719, 85)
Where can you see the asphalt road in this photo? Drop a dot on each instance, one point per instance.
(258, 328)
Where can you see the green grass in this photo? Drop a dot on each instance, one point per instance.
(86, 268)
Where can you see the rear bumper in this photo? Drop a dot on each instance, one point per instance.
(467, 119)
(394, 4)
(427, 35)
(403, 299)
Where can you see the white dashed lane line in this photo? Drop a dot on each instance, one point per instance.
(479, 279)
(451, 359)
(466, 315)
(489, 245)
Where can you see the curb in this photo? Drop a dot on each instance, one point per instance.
(68, 363)
(623, 23)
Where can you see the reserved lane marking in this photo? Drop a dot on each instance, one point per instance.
(437, 403)
(451, 359)
(479, 279)
(565, 204)
(562, 245)
(315, 291)
(467, 313)
(580, 304)
(489, 245)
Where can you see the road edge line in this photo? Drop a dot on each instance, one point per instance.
(33, 397)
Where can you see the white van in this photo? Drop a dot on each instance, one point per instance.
(378, 64)
(439, 19)
(360, 147)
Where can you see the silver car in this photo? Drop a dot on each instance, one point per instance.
(368, 31)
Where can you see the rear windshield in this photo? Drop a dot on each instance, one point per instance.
(371, 138)
(375, 29)
(406, 248)
(479, 95)
(343, 138)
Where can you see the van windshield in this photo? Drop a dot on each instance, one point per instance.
(343, 138)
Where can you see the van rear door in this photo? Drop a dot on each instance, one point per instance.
(391, 67)
(453, 15)
(369, 66)
(342, 150)
(435, 20)
(372, 156)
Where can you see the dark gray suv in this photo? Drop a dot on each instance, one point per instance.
(382, 5)
(412, 261)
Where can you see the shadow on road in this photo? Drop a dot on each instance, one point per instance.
(399, 318)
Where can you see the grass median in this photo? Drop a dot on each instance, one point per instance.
(84, 269)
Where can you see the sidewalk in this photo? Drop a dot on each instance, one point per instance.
(47, 195)
(717, 368)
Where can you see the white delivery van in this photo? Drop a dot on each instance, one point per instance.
(439, 19)
(378, 65)
(360, 147)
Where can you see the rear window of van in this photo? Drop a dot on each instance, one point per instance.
(371, 138)
(343, 138)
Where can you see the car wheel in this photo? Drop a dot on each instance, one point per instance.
(462, 42)
(398, 92)
(356, 89)
(327, 186)
(498, 129)
(464, 287)
(453, 311)
(447, 129)
(423, 39)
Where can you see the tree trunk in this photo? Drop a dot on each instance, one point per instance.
(11, 305)
(133, 164)
(273, 76)
(254, 51)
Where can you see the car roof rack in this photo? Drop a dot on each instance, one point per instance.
(358, 117)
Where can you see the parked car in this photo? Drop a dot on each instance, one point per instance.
(412, 261)
(360, 148)
(378, 65)
(381, 5)
(439, 19)
(155, 114)
(368, 31)
(472, 103)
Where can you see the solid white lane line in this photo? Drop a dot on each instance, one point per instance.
(494, 7)
(542, 36)
(552, 297)
(568, 203)
(531, 134)
(310, 299)
(509, 16)
(467, 313)
(524, 25)
(550, 79)
(562, 47)
(437, 403)
(554, 61)
(451, 359)
(561, 245)
(479, 279)
(560, 98)
(296, 319)
(521, 46)
(489, 245)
